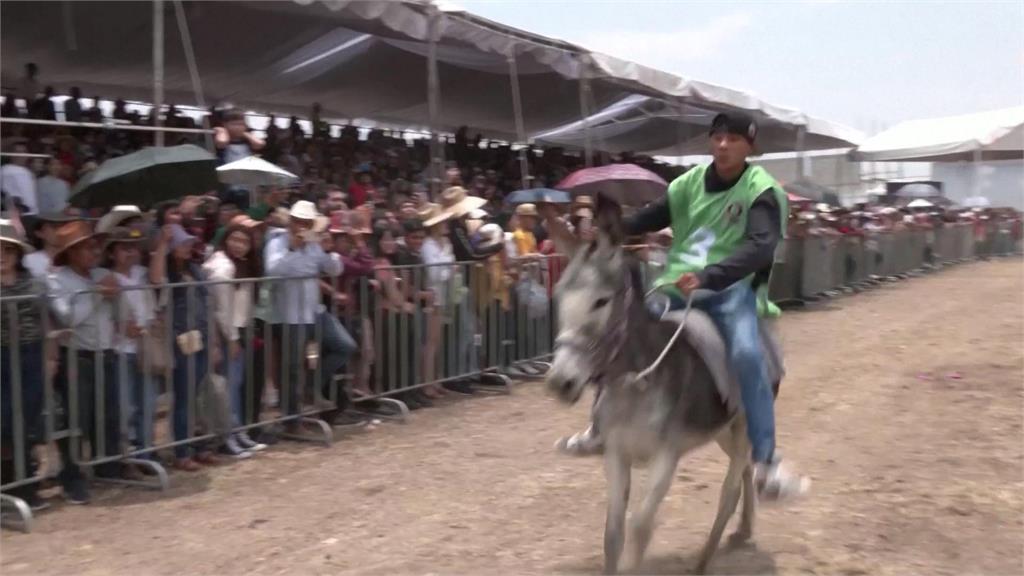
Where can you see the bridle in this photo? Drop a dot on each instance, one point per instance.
(602, 351)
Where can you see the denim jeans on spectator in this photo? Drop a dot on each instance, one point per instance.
(734, 312)
(30, 357)
(336, 347)
(138, 396)
(290, 340)
(94, 372)
(189, 371)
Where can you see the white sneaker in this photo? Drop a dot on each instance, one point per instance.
(248, 443)
(234, 450)
(775, 483)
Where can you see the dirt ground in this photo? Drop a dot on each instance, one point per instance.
(904, 404)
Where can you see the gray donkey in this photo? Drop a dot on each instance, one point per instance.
(606, 337)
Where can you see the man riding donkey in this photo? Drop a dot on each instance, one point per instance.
(726, 218)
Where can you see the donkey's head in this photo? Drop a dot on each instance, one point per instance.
(594, 295)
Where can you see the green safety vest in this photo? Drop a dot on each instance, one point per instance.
(708, 227)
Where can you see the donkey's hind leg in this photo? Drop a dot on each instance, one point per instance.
(733, 442)
(746, 529)
(618, 469)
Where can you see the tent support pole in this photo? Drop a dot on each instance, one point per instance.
(433, 105)
(801, 155)
(976, 173)
(517, 109)
(158, 68)
(193, 69)
(585, 111)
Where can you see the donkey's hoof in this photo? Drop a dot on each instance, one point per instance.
(740, 537)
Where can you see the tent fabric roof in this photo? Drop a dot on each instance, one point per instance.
(358, 59)
(650, 126)
(996, 135)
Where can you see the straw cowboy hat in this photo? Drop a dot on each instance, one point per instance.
(71, 234)
(10, 233)
(118, 214)
(433, 215)
(457, 202)
(526, 210)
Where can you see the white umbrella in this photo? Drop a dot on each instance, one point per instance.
(976, 202)
(253, 171)
(920, 203)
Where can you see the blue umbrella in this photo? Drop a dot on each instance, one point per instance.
(535, 195)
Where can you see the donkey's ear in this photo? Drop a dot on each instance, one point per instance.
(608, 217)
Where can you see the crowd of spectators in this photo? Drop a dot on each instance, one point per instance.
(365, 279)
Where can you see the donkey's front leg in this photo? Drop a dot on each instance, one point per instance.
(617, 473)
(641, 524)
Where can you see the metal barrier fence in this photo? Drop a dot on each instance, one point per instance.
(815, 265)
(216, 348)
(93, 389)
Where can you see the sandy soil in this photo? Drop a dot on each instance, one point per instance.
(904, 404)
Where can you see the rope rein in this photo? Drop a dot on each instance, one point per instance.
(682, 325)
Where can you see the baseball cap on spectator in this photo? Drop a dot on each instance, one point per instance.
(116, 216)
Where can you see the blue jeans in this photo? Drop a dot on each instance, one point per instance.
(336, 347)
(734, 312)
(138, 395)
(187, 368)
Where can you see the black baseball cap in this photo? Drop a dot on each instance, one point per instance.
(738, 123)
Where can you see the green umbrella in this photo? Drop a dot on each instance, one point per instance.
(147, 177)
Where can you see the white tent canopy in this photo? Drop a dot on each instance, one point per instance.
(993, 135)
(359, 60)
(650, 126)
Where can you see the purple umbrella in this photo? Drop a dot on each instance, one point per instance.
(627, 184)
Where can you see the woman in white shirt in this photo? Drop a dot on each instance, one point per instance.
(233, 302)
(437, 257)
(133, 312)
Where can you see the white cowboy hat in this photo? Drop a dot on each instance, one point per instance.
(458, 203)
(9, 233)
(116, 216)
(304, 210)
